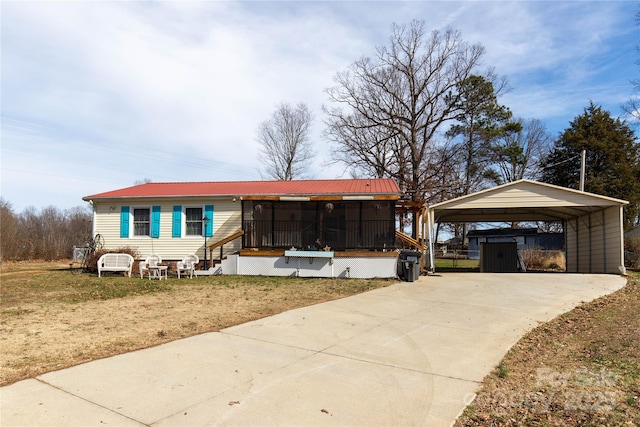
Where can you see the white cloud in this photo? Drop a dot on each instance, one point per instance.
(113, 92)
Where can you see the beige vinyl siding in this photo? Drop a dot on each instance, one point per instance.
(107, 224)
(572, 245)
(226, 221)
(594, 242)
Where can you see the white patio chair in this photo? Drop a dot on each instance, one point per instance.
(187, 265)
(151, 260)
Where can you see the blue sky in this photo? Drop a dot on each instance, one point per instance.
(98, 95)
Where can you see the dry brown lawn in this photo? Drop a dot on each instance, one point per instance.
(52, 318)
(580, 369)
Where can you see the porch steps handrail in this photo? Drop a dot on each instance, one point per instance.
(410, 240)
(413, 242)
(226, 240)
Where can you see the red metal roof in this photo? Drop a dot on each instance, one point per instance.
(325, 187)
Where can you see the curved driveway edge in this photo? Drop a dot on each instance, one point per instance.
(408, 354)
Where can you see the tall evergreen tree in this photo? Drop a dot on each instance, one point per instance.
(480, 121)
(613, 159)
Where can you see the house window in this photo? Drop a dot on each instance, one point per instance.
(142, 222)
(193, 221)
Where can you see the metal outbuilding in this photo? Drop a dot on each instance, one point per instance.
(593, 223)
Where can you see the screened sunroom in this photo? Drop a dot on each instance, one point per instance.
(335, 225)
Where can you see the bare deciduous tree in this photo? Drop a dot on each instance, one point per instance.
(49, 234)
(8, 231)
(366, 151)
(632, 106)
(517, 155)
(284, 141)
(392, 106)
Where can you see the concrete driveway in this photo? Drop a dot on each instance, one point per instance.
(408, 354)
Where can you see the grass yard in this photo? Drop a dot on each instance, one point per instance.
(51, 318)
(580, 369)
(462, 264)
(534, 259)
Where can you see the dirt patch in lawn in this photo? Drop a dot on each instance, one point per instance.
(52, 318)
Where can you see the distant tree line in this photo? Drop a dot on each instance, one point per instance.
(47, 234)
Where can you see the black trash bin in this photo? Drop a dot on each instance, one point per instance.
(409, 265)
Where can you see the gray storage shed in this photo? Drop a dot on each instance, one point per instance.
(593, 223)
(499, 257)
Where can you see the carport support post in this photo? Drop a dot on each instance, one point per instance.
(621, 266)
(604, 241)
(430, 226)
(425, 225)
(578, 248)
(590, 244)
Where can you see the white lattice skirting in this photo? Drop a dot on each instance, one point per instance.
(361, 267)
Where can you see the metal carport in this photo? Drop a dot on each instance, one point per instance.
(593, 223)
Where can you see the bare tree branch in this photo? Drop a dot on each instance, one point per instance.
(390, 108)
(518, 154)
(285, 145)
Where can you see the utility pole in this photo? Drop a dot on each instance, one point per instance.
(583, 165)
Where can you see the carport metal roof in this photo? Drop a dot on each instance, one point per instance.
(527, 200)
(522, 200)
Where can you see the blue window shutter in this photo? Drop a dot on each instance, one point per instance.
(124, 222)
(208, 212)
(155, 222)
(176, 228)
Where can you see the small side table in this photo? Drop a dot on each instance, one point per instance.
(158, 272)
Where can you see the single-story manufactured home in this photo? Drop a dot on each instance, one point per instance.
(314, 228)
